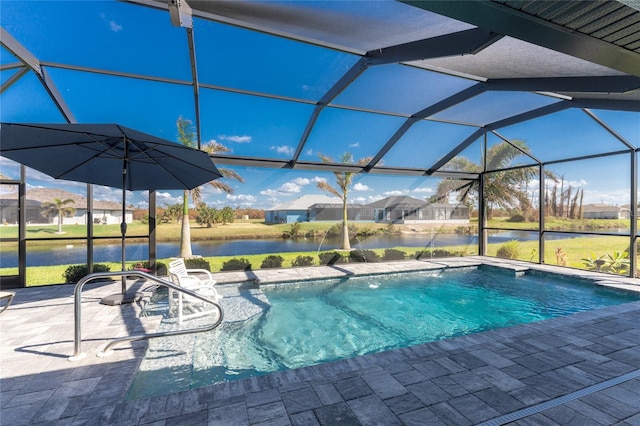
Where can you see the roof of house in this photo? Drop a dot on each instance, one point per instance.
(404, 201)
(43, 195)
(336, 205)
(601, 207)
(304, 202)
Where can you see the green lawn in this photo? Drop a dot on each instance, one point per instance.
(575, 249)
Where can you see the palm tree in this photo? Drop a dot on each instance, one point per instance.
(501, 188)
(343, 181)
(187, 136)
(58, 207)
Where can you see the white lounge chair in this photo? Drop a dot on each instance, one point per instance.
(198, 280)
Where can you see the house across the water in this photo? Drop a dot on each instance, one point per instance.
(104, 212)
(404, 209)
(605, 211)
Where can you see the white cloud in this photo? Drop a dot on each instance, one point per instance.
(318, 179)
(396, 193)
(361, 187)
(236, 138)
(288, 188)
(310, 152)
(301, 181)
(241, 197)
(423, 190)
(167, 199)
(284, 149)
(354, 145)
(114, 26)
(611, 196)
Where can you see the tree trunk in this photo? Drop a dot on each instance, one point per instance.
(185, 234)
(346, 245)
(580, 210)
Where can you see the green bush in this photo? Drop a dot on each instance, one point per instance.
(429, 253)
(197, 263)
(393, 254)
(509, 250)
(75, 273)
(363, 256)
(161, 268)
(517, 218)
(236, 264)
(272, 261)
(303, 261)
(331, 258)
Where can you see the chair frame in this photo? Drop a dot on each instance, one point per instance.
(187, 278)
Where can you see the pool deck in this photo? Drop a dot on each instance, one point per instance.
(582, 369)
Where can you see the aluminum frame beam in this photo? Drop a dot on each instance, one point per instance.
(465, 42)
(27, 58)
(349, 77)
(508, 21)
(455, 99)
(245, 161)
(548, 109)
(599, 84)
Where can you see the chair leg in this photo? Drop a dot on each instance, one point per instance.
(6, 295)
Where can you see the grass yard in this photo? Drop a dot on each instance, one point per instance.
(575, 249)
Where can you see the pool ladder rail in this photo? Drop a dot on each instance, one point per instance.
(77, 352)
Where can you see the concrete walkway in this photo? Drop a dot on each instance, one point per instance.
(582, 369)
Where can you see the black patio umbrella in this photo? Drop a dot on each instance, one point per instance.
(107, 154)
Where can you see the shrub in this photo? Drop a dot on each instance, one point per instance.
(75, 273)
(517, 218)
(161, 268)
(272, 261)
(334, 231)
(363, 256)
(393, 254)
(429, 253)
(197, 263)
(236, 264)
(303, 261)
(331, 258)
(293, 232)
(509, 250)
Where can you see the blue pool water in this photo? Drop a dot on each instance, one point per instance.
(321, 321)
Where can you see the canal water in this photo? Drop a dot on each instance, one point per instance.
(76, 254)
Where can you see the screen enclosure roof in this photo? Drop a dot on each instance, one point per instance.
(415, 83)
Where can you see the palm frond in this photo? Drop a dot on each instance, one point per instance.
(330, 189)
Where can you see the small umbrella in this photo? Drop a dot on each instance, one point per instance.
(107, 154)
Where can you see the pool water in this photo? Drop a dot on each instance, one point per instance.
(315, 322)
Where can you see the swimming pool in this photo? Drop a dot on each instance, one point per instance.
(321, 321)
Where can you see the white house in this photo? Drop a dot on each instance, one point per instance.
(104, 212)
(605, 211)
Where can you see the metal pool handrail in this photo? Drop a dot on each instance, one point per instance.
(77, 353)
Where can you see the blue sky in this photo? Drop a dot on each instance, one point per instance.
(124, 38)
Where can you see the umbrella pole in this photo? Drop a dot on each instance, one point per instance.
(122, 298)
(123, 226)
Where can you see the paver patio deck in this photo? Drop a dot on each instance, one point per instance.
(580, 369)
